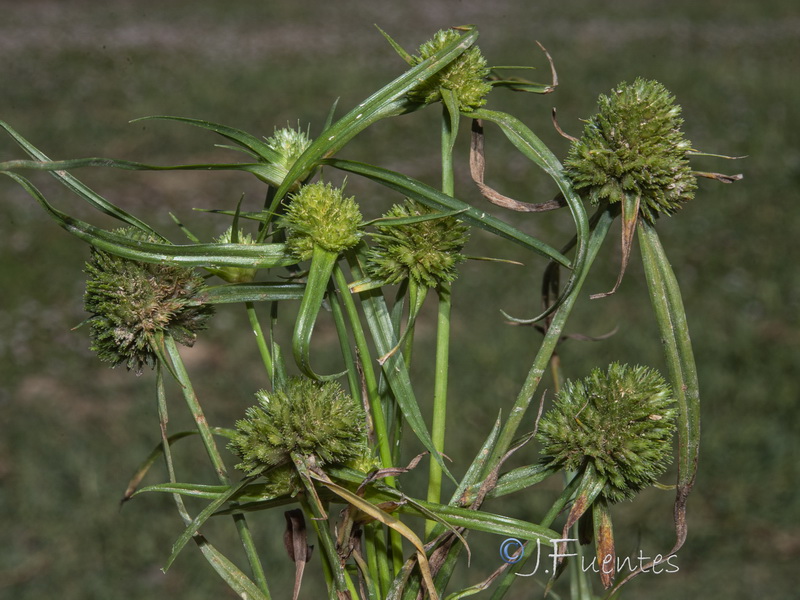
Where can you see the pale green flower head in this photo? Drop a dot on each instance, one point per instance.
(289, 144)
(634, 146)
(305, 418)
(620, 422)
(466, 76)
(321, 215)
(234, 274)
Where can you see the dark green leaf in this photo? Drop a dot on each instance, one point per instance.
(435, 199)
(265, 291)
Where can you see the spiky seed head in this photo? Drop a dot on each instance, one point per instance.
(289, 144)
(306, 417)
(321, 215)
(634, 146)
(620, 421)
(426, 252)
(130, 302)
(466, 75)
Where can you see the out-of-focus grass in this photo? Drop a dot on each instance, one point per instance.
(72, 431)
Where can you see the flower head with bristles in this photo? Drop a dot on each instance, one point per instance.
(132, 302)
(466, 76)
(289, 144)
(305, 418)
(234, 274)
(634, 147)
(425, 251)
(620, 422)
(320, 214)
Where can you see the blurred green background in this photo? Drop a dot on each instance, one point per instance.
(72, 74)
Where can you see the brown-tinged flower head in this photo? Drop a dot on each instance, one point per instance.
(426, 251)
(634, 147)
(466, 76)
(620, 421)
(131, 302)
(306, 418)
(321, 215)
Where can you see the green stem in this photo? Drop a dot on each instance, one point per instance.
(448, 137)
(395, 414)
(439, 397)
(319, 274)
(370, 380)
(328, 570)
(416, 297)
(379, 559)
(319, 520)
(261, 341)
(163, 419)
(375, 406)
(548, 346)
(204, 430)
(193, 403)
(206, 549)
(558, 506)
(335, 302)
(449, 131)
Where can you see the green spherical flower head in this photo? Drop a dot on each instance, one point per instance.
(634, 147)
(320, 215)
(466, 75)
(289, 144)
(621, 422)
(307, 418)
(426, 251)
(130, 302)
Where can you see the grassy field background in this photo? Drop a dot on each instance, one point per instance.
(72, 74)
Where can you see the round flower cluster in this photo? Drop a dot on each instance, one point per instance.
(234, 274)
(634, 147)
(289, 144)
(425, 251)
(466, 75)
(304, 417)
(320, 215)
(131, 302)
(620, 422)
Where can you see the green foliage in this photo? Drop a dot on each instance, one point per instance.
(425, 251)
(234, 274)
(620, 421)
(309, 443)
(634, 147)
(132, 302)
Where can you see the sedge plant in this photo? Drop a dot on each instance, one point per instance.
(326, 448)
